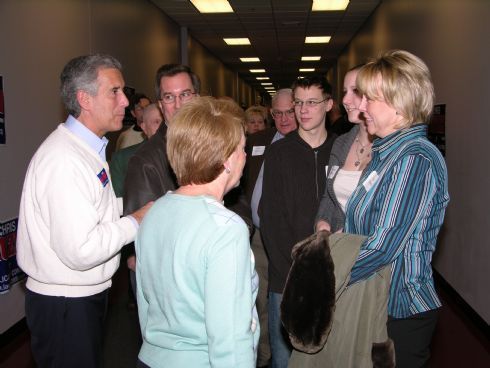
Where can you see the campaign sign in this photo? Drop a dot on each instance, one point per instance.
(2, 114)
(10, 273)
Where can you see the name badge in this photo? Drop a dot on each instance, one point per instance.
(370, 180)
(258, 150)
(333, 171)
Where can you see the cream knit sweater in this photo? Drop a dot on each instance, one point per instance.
(70, 230)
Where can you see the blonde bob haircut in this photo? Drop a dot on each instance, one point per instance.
(201, 137)
(403, 81)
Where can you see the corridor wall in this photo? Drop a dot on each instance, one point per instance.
(37, 38)
(450, 36)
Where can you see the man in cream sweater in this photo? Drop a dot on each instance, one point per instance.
(70, 230)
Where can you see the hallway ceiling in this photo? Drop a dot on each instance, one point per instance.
(277, 30)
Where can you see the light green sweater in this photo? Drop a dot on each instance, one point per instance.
(196, 288)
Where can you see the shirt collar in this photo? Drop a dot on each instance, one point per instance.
(81, 131)
(384, 146)
(277, 136)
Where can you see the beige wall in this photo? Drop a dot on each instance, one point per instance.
(37, 38)
(216, 79)
(452, 37)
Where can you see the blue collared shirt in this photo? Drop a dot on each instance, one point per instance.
(399, 205)
(85, 134)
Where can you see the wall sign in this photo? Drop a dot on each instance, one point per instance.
(10, 273)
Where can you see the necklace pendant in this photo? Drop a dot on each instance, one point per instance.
(357, 163)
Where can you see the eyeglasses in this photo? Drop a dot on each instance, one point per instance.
(169, 98)
(308, 103)
(276, 114)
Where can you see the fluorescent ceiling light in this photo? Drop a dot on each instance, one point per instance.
(262, 78)
(270, 88)
(212, 6)
(257, 70)
(311, 58)
(318, 39)
(237, 41)
(249, 59)
(307, 69)
(322, 5)
(266, 84)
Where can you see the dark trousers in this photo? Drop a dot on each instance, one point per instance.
(66, 332)
(412, 337)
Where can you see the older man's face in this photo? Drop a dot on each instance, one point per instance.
(180, 87)
(107, 106)
(283, 113)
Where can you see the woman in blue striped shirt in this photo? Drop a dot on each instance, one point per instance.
(401, 199)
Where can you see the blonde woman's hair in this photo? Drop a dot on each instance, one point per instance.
(404, 81)
(201, 137)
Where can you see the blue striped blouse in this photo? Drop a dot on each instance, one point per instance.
(399, 205)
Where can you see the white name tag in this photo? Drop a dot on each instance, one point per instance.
(258, 150)
(370, 180)
(333, 171)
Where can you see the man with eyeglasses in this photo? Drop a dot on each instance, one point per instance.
(285, 121)
(293, 183)
(149, 174)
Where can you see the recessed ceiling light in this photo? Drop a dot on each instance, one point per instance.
(318, 39)
(266, 84)
(212, 6)
(257, 70)
(262, 78)
(311, 58)
(249, 59)
(323, 5)
(237, 41)
(307, 69)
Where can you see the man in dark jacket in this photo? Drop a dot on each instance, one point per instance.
(149, 174)
(293, 183)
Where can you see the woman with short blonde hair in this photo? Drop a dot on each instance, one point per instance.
(200, 140)
(401, 199)
(255, 117)
(196, 283)
(403, 81)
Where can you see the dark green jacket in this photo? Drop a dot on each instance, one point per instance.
(119, 167)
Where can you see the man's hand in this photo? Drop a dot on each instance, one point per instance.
(322, 225)
(131, 262)
(139, 214)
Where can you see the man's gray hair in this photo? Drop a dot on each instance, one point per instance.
(81, 73)
(282, 92)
